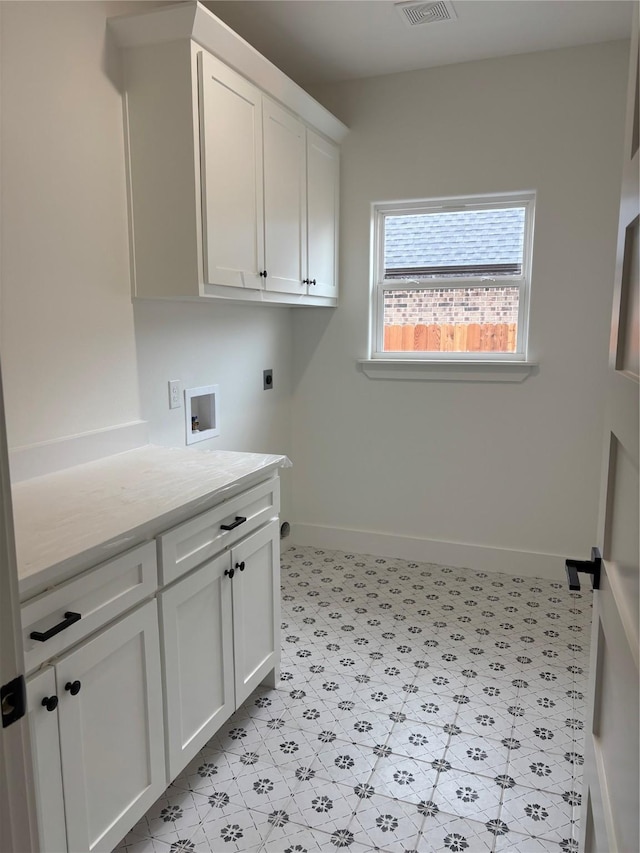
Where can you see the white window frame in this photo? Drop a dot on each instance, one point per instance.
(379, 285)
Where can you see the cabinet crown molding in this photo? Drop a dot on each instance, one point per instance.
(193, 21)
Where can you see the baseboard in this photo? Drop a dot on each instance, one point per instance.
(35, 460)
(457, 554)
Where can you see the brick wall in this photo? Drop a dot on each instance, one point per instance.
(482, 305)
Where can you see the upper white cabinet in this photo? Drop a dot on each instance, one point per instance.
(233, 169)
(323, 168)
(285, 197)
(232, 177)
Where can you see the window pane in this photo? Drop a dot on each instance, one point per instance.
(468, 242)
(454, 319)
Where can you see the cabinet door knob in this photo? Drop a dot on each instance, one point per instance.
(312, 281)
(240, 566)
(230, 572)
(305, 281)
(263, 274)
(50, 702)
(73, 687)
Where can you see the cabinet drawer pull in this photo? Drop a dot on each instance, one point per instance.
(240, 566)
(69, 618)
(240, 519)
(230, 572)
(50, 702)
(73, 687)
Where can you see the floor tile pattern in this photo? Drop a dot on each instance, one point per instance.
(422, 708)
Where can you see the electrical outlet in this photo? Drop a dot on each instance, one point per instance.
(175, 398)
(267, 380)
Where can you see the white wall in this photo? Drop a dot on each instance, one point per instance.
(491, 466)
(68, 350)
(77, 358)
(221, 345)
(502, 466)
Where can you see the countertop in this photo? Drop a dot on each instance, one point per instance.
(70, 520)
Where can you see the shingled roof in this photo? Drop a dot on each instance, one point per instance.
(455, 238)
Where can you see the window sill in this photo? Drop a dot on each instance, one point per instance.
(448, 371)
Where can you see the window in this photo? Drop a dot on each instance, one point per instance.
(451, 279)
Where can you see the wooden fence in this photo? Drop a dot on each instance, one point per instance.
(471, 337)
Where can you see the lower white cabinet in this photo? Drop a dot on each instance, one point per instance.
(42, 709)
(220, 637)
(109, 738)
(256, 610)
(197, 639)
(118, 708)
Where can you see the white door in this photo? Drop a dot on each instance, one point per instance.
(18, 830)
(610, 790)
(197, 635)
(256, 609)
(42, 705)
(284, 200)
(111, 730)
(231, 172)
(323, 166)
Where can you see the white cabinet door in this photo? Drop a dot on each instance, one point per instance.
(323, 165)
(111, 730)
(45, 747)
(256, 609)
(231, 166)
(284, 200)
(197, 638)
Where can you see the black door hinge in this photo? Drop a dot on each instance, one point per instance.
(590, 567)
(13, 697)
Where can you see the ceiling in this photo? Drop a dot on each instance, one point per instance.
(319, 41)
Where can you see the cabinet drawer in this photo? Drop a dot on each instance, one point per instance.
(98, 595)
(195, 541)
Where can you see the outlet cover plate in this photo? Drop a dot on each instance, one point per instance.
(175, 394)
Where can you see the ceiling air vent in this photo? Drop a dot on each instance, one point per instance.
(413, 13)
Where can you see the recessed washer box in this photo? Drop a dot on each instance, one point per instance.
(201, 413)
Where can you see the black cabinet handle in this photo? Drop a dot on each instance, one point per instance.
(263, 274)
(240, 566)
(73, 687)
(240, 519)
(230, 572)
(312, 281)
(69, 619)
(50, 702)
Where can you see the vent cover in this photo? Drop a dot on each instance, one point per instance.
(415, 13)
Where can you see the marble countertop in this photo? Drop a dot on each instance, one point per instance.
(67, 521)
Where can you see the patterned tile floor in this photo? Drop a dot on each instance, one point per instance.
(421, 709)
